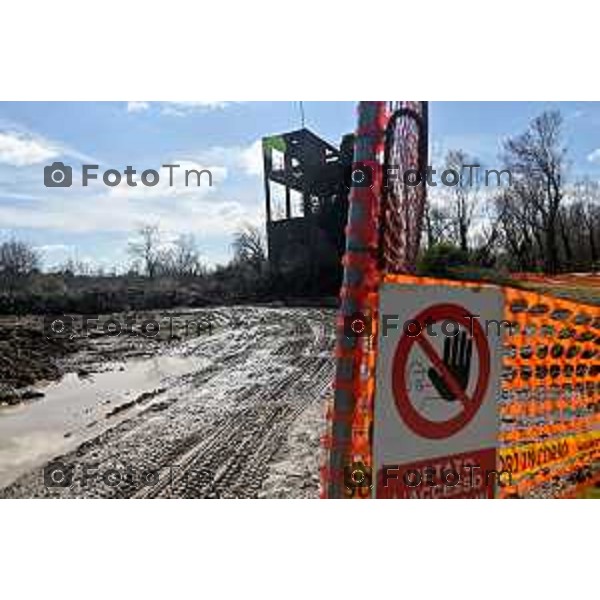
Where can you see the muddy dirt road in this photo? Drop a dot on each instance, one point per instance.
(231, 412)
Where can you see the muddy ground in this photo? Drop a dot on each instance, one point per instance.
(229, 406)
(26, 357)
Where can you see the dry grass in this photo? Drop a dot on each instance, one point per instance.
(584, 287)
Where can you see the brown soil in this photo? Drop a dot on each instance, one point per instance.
(28, 356)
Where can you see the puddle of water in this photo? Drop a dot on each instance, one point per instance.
(32, 433)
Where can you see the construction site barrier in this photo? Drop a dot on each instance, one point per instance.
(549, 405)
(548, 409)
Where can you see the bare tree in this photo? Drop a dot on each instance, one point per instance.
(464, 196)
(536, 159)
(181, 259)
(580, 225)
(591, 220)
(73, 266)
(146, 248)
(17, 260)
(514, 222)
(437, 223)
(249, 248)
(487, 240)
(186, 257)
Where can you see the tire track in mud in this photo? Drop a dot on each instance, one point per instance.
(234, 461)
(216, 432)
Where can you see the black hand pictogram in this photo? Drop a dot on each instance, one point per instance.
(457, 358)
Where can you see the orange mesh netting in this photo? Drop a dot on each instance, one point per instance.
(549, 408)
(549, 434)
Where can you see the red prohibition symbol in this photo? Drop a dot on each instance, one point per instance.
(470, 405)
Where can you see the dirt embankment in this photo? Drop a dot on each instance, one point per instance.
(27, 356)
(30, 352)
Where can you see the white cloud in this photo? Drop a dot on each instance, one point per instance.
(177, 108)
(211, 213)
(184, 107)
(594, 156)
(54, 248)
(22, 149)
(247, 159)
(251, 159)
(134, 107)
(112, 214)
(122, 208)
(9, 195)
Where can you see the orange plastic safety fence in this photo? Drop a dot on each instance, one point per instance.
(349, 418)
(549, 435)
(549, 408)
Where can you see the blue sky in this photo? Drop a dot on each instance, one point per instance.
(96, 223)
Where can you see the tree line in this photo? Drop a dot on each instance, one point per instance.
(161, 274)
(541, 222)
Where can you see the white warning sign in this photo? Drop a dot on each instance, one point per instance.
(437, 380)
